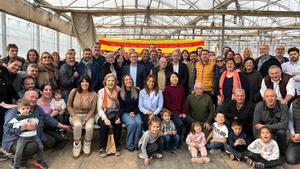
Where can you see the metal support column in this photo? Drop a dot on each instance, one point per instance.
(38, 38)
(223, 32)
(70, 44)
(4, 37)
(57, 42)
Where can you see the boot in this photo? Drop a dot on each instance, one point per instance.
(76, 150)
(87, 148)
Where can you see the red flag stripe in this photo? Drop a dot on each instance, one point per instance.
(142, 45)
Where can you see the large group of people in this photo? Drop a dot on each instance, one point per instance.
(246, 106)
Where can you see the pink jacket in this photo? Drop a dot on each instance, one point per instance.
(198, 139)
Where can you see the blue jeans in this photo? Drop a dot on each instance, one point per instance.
(134, 129)
(215, 145)
(170, 141)
(22, 142)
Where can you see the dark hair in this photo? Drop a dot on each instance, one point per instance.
(227, 54)
(86, 78)
(44, 86)
(36, 53)
(264, 127)
(249, 58)
(11, 45)
(25, 78)
(195, 123)
(220, 112)
(230, 59)
(86, 49)
(204, 50)
(145, 49)
(17, 58)
(174, 73)
(236, 123)
(188, 58)
(155, 84)
(164, 111)
(154, 120)
(293, 49)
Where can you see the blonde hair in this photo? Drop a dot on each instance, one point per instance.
(108, 76)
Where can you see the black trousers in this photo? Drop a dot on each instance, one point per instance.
(292, 154)
(155, 147)
(257, 158)
(104, 131)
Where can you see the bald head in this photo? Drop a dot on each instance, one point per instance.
(162, 62)
(279, 51)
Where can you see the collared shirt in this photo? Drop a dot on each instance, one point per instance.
(262, 60)
(133, 73)
(294, 70)
(176, 67)
(150, 103)
(290, 88)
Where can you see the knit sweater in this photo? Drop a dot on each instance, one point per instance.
(196, 138)
(269, 151)
(19, 120)
(200, 108)
(174, 99)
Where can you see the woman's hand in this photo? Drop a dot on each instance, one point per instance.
(131, 114)
(118, 121)
(107, 122)
(220, 100)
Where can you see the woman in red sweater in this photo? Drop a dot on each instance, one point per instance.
(174, 100)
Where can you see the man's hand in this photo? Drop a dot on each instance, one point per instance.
(296, 138)
(207, 126)
(258, 126)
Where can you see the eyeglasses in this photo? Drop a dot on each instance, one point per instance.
(46, 57)
(219, 61)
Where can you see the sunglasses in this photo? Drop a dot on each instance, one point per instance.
(219, 61)
(47, 57)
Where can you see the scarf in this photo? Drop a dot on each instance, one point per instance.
(53, 74)
(110, 100)
(236, 83)
(88, 65)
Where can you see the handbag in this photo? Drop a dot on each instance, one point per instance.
(110, 146)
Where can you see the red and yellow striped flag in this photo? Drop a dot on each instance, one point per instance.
(167, 46)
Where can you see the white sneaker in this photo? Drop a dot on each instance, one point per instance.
(141, 155)
(76, 150)
(86, 148)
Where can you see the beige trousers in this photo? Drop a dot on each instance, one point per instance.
(78, 126)
(194, 151)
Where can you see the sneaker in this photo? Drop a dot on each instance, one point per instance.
(118, 153)
(11, 164)
(157, 155)
(102, 153)
(141, 155)
(258, 165)
(214, 151)
(174, 151)
(231, 156)
(249, 161)
(41, 165)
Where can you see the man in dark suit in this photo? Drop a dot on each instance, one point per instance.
(179, 68)
(136, 71)
(265, 60)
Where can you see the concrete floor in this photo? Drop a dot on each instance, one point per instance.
(61, 158)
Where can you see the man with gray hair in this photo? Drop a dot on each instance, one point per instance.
(241, 110)
(10, 136)
(200, 107)
(282, 83)
(274, 115)
(160, 74)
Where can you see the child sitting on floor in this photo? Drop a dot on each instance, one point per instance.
(169, 134)
(151, 143)
(26, 136)
(218, 136)
(196, 142)
(237, 141)
(264, 151)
